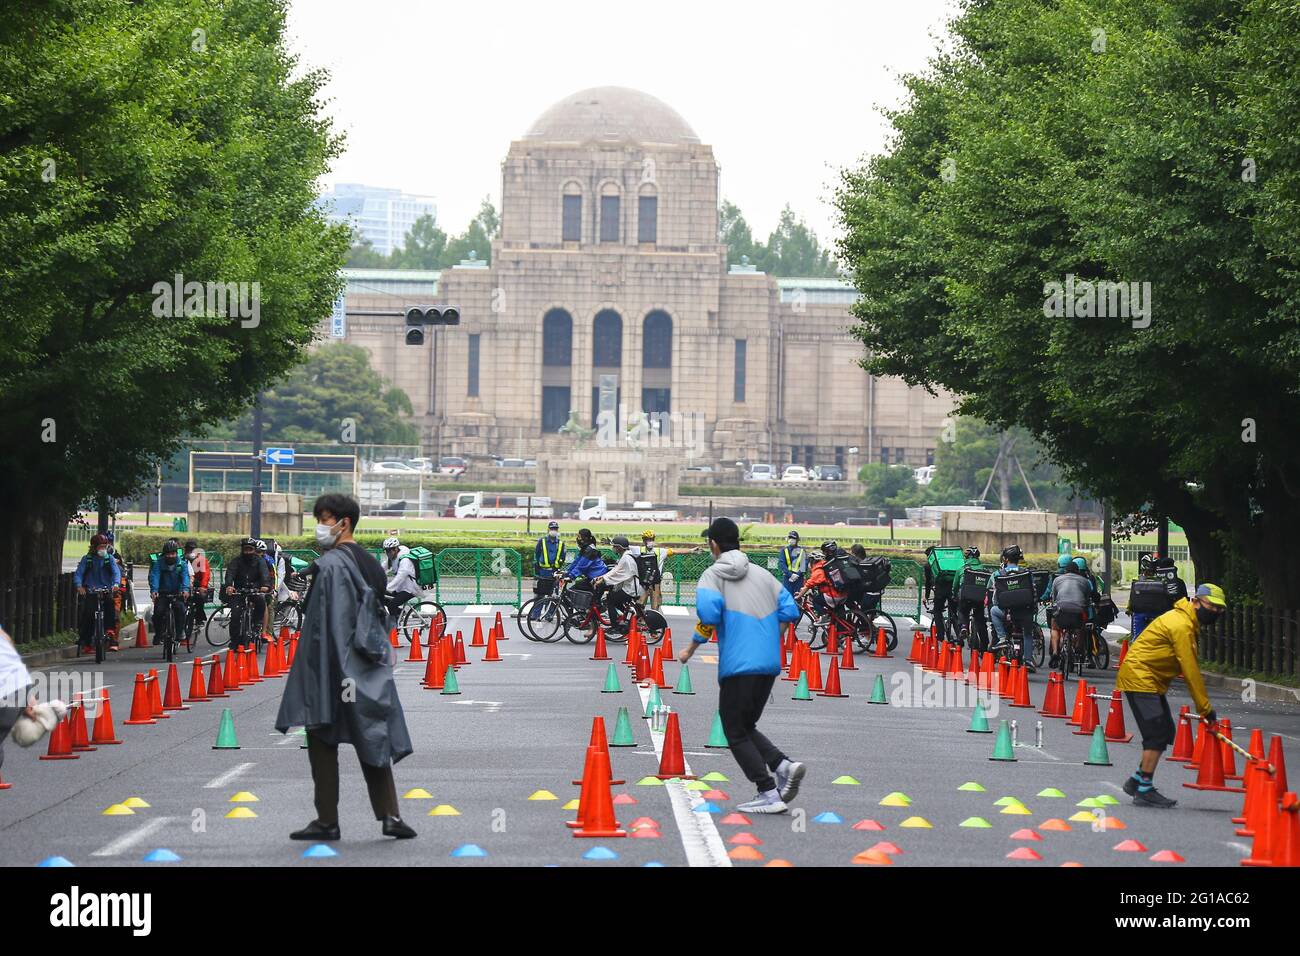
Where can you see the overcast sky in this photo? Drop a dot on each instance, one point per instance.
(430, 94)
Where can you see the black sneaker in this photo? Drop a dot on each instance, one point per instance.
(1153, 798)
(1131, 786)
(316, 831)
(394, 827)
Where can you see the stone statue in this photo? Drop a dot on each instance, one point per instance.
(576, 431)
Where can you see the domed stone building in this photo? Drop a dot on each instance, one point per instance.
(608, 269)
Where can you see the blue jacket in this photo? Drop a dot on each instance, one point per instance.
(795, 563)
(174, 579)
(588, 563)
(748, 611)
(553, 554)
(94, 572)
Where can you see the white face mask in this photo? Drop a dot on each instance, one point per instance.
(791, 542)
(102, 552)
(327, 535)
(553, 535)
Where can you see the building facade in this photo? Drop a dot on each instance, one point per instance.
(608, 269)
(383, 216)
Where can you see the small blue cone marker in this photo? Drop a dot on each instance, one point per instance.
(653, 863)
(600, 853)
(828, 817)
(469, 849)
(318, 851)
(56, 861)
(708, 806)
(162, 856)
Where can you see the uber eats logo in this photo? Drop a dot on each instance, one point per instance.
(77, 909)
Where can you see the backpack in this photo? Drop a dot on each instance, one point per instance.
(876, 572)
(1014, 591)
(974, 584)
(1173, 586)
(1150, 597)
(648, 571)
(944, 563)
(422, 558)
(845, 575)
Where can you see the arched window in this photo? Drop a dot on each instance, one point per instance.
(657, 340)
(607, 340)
(557, 338)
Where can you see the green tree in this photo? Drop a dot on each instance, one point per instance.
(364, 255)
(1161, 151)
(791, 250)
(477, 238)
(734, 232)
(424, 247)
(963, 468)
(139, 141)
(318, 400)
(889, 487)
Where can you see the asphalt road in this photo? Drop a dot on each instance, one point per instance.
(521, 726)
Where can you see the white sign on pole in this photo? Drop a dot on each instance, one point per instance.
(339, 319)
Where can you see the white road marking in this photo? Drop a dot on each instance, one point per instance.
(1239, 847)
(700, 837)
(472, 610)
(674, 610)
(128, 840)
(228, 776)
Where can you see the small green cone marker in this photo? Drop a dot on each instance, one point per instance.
(1002, 746)
(623, 730)
(979, 723)
(801, 689)
(684, 682)
(1098, 755)
(717, 737)
(611, 681)
(449, 683)
(652, 703)
(878, 691)
(226, 732)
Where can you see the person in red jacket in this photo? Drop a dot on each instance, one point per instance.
(824, 593)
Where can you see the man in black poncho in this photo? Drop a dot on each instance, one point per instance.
(341, 686)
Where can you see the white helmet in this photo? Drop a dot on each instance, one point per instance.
(391, 543)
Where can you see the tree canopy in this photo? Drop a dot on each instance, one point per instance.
(143, 145)
(791, 250)
(1068, 144)
(428, 247)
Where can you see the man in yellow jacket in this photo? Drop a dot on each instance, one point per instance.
(1166, 646)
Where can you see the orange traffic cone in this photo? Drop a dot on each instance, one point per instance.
(61, 742)
(1198, 751)
(668, 643)
(846, 661)
(941, 664)
(643, 672)
(1076, 712)
(435, 672)
(1257, 771)
(216, 686)
(1209, 775)
(588, 762)
(973, 673)
(955, 666)
(231, 679)
(477, 639)
(792, 672)
(1286, 832)
(882, 643)
(197, 690)
(104, 733)
(832, 639)
(1261, 851)
(172, 698)
(1229, 753)
(1278, 759)
(658, 670)
(833, 678)
(813, 665)
(1091, 718)
(986, 671)
(1183, 738)
(250, 665)
(141, 636)
(602, 652)
(271, 663)
(1054, 699)
(597, 804)
(1115, 731)
(461, 659)
(80, 732)
(392, 638)
(500, 628)
(1007, 679)
(672, 763)
(914, 655)
(416, 652)
(492, 655)
(598, 741)
(1021, 696)
(155, 696)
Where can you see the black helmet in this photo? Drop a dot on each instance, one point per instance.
(830, 549)
(619, 541)
(171, 546)
(1013, 554)
(249, 543)
(971, 552)
(1146, 564)
(793, 534)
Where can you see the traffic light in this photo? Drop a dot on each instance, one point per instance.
(418, 316)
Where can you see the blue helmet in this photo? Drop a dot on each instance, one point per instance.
(1081, 564)
(1063, 562)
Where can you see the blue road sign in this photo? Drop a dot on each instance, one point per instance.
(279, 456)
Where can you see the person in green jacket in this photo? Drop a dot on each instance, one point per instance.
(970, 612)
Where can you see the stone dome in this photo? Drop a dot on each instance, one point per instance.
(612, 114)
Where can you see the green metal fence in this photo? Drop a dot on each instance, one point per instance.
(478, 576)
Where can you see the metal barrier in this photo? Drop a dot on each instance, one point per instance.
(478, 576)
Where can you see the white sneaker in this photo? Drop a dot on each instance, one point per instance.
(769, 802)
(787, 782)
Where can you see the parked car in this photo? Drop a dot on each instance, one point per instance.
(794, 473)
(701, 469)
(392, 468)
(510, 463)
(452, 465)
(759, 472)
(530, 462)
(828, 473)
(422, 464)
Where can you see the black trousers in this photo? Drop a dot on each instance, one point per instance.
(86, 619)
(942, 594)
(324, 759)
(741, 700)
(971, 616)
(246, 631)
(395, 603)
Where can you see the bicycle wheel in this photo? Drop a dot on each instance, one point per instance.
(652, 625)
(1040, 648)
(217, 630)
(581, 629)
(1067, 652)
(421, 613)
(101, 641)
(812, 633)
(1101, 652)
(882, 619)
(803, 628)
(165, 628)
(288, 614)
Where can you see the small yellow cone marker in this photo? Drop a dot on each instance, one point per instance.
(543, 795)
(1016, 809)
(418, 793)
(444, 810)
(240, 813)
(118, 810)
(896, 799)
(917, 823)
(135, 803)
(571, 805)
(244, 797)
(1083, 816)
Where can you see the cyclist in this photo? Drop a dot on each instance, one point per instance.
(97, 570)
(402, 584)
(548, 558)
(792, 563)
(970, 613)
(622, 583)
(588, 565)
(1010, 564)
(169, 576)
(941, 584)
(651, 571)
(1070, 595)
(824, 593)
(200, 578)
(249, 570)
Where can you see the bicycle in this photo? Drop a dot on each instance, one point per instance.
(421, 613)
(1081, 646)
(165, 626)
(100, 636)
(861, 621)
(221, 624)
(196, 616)
(1012, 647)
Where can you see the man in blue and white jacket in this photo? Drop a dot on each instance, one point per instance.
(746, 610)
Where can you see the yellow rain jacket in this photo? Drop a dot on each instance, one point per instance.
(1157, 654)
